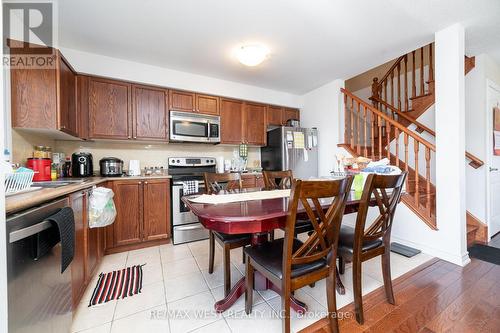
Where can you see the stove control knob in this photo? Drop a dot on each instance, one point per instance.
(178, 161)
(208, 161)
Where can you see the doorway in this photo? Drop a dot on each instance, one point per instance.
(493, 168)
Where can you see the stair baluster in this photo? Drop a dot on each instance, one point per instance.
(417, 176)
(413, 80)
(428, 179)
(422, 89)
(406, 83)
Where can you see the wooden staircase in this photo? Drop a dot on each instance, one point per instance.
(381, 130)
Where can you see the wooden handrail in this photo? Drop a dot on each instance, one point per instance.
(392, 68)
(408, 118)
(391, 121)
(475, 162)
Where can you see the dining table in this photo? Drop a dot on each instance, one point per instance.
(258, 217)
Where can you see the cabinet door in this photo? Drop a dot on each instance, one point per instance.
(248, 181)
(109, 109)
(78, 203)
(68, 120)
(150, 113)
(290, 114)
(156, 209)
(231, 119)
(127, 228)
(182, 101)
(92, 254)
(33, 98)
(274, 115)
(259, 181)
(82, 105)
(255, 124)
(207, 104)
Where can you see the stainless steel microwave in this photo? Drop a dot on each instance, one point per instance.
(194, 127)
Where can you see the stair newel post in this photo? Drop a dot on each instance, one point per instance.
(396, 134)
(346, 121)
(431, 67)
(417, 176)
(413, 79)
(388, 138)
(379, 120)
(372, 121)
(365, 138)
(406, 82)
(375, 92)
(358, 131)
(406, 156)
(399, 86)
(385, 94)
(352, 122)
(422, 89)
(392, 88)
(428, 178)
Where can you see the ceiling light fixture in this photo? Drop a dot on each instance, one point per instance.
(251, 54)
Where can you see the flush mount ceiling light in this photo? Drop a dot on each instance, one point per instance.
(251, 54)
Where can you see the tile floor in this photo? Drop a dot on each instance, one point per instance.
(176, 281)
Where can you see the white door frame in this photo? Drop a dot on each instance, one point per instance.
(489, 148)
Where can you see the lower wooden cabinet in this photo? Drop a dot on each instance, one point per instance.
(143, 212)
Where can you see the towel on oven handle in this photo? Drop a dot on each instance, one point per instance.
(190, 187)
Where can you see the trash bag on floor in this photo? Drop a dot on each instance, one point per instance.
(102, 210)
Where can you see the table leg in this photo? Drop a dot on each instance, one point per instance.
(232, 297)
(338, 283)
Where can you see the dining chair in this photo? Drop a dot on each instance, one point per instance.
(291, 264)
(280, 180)
(214, 183)
(360, 244)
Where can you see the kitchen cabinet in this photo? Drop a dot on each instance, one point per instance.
(191, 102)
(252, 180)
(78, 202)
(231, 121)
(274, 115)
(143, 213)
(94, 253)
(156, 209)
(45, 99)
(289, 113)
(150, 113)
(254, 124)
(129, 203)
(109, 104)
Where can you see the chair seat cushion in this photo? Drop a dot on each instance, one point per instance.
(270, 256)
(232, 238)
(346, 240)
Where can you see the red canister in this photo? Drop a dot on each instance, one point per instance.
(41, 166)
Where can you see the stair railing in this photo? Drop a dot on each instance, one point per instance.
(369, 132)
(388, 88)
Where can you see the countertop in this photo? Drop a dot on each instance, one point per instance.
(26, 200)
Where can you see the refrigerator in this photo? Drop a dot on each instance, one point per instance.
(291, 148)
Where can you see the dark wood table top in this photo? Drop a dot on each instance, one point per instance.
(251, 216)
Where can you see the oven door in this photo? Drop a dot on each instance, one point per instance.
(181, 214)
(190, 127)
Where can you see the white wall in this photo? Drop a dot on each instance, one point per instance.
(323, 109)
(96, 64)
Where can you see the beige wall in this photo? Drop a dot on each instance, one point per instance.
(23, 142)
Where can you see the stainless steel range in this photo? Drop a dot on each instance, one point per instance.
(186, 227)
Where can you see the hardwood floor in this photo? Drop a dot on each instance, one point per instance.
(435, 297)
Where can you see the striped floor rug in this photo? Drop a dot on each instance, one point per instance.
(117, 284)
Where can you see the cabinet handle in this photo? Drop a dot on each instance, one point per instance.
(140, 183)
(145, 183)
(129, 137)
(63, 127)
(135, 137)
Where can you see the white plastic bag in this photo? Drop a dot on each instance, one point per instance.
(102, 210)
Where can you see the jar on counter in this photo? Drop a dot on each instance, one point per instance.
(47, 152)
(38, 152)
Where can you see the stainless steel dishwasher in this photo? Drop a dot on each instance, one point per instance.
(39, 295)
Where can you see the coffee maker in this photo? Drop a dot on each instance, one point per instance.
(81, 165)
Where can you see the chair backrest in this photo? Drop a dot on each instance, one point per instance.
(274, 180)
(386, 191)
(325, 216)
(216, 182)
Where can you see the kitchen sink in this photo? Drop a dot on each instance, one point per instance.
(58, 183)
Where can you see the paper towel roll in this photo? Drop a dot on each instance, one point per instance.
(220, 164)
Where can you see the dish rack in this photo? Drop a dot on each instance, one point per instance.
(18, 181)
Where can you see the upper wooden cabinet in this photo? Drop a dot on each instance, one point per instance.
(274, 115)
(231, 121)
(254, 124)
(191, 102)
(45, 98)
(289, 113)
(109, 109)
(150, 113)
